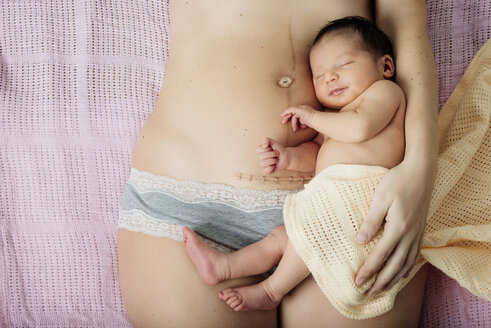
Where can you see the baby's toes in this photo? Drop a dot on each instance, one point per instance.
(235, 302)
(226, 294)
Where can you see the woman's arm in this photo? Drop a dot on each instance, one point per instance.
(402, 198)
(404, 21)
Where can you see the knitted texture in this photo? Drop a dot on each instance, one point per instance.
(457, 238)
(457, 30)
(322, 220)
(78, 79)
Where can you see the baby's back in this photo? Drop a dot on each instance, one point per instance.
(384, 149)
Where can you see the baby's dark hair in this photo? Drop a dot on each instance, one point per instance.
(374, 40)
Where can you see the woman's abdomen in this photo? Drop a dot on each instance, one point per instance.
(206, 126)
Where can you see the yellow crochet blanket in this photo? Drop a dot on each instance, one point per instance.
(322, 220)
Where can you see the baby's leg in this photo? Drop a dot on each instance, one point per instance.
(267, 294)
(254, 259)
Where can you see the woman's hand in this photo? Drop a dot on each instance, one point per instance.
(273, 156)
(301, 116)
(402, 198)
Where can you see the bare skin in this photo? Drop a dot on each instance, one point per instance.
(209, 106)
(215, 267)
(370, 120)
(275, 249)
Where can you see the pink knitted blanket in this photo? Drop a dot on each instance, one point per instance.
(77, 81)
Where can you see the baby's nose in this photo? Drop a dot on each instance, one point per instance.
(330, 77)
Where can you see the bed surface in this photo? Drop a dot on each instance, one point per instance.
(77, 81)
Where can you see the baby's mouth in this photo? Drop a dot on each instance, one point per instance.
(336, 92)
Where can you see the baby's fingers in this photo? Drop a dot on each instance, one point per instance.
(263, 149)
(295, 122)
(269, 165)
(268, 154)
(266, 142)
(269, 161)
(269, 169)
(287, 112)
(286, 118)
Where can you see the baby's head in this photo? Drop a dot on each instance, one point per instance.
(348, 55)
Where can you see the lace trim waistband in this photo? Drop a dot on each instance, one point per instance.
(137, 221)
(192, 191)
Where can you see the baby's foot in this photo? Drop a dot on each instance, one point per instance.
(249, 298)
(212, 266)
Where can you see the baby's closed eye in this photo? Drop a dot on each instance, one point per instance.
(345, 63)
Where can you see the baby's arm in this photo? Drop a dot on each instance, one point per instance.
(274, 157)
(376, 109)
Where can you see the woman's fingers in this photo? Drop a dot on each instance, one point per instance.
(368, 229)
(418, 252)
(380, 253)
(373, 221)
(405, 205)
(406, 269)
(394, 265)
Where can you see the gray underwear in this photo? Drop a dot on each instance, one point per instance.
(223, 215)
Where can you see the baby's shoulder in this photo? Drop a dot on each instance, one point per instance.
(385, 86)
(386, 90)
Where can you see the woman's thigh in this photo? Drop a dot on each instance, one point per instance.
(160, 288)
(307, 306)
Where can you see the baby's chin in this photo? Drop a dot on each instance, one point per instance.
(333, 105)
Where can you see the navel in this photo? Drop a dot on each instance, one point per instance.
(285, 82)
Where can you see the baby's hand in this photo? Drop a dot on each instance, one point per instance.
(273, 156)
(301, 116)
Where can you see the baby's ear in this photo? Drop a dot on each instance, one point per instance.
(387, 64)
